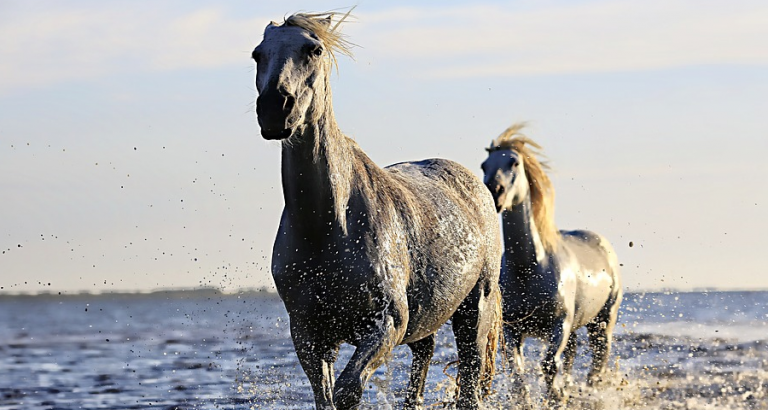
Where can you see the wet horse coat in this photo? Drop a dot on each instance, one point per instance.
(370, 256)
(553, 282)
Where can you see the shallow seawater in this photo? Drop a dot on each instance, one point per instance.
(205, 350)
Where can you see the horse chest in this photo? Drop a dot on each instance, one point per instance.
(532, 306)
(331, 291)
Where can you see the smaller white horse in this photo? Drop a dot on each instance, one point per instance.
(552, 282)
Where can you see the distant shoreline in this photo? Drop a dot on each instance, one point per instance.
(185, 293)
(197, 293)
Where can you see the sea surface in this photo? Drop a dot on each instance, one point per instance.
(206, 350)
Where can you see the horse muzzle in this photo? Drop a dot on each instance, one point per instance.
(273, 108)
(499, 195)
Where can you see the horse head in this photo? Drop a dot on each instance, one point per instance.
(515, 175)
(504, 175)
(293, 64)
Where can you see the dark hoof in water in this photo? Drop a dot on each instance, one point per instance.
(347, 399)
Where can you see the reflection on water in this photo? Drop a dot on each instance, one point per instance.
(201, 350)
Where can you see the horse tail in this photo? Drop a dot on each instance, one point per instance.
(494, 337)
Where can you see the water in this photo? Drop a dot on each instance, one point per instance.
(204, 350)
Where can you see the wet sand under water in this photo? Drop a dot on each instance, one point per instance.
(204, 350)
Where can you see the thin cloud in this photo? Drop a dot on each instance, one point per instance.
(42, 48)
(605, 36)
(38, 49)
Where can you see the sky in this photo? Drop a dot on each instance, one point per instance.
(131, 159)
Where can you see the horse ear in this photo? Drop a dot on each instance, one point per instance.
(326, 22)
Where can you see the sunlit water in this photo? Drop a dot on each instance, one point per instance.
(209, 351)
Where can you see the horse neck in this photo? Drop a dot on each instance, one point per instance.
(523, 249)
(317, 164)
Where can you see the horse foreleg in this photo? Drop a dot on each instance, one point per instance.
(600, 332)
(553, 362)
(317, 360)
(371, 352)
(513, 341)
(422, 353)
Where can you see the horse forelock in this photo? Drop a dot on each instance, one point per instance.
(542, 191)
(321, 25)
(511, 138)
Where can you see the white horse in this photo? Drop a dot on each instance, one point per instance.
(552, 282)
(370, 256)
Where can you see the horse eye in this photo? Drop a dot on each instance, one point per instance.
(318, 51)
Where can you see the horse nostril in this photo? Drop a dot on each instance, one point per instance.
(290, 101)
(259, 105)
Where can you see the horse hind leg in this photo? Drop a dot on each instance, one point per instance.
(600, 331)
(513, 348)
(552, 362)
(569, 354)
(476, 324)
(422, 354)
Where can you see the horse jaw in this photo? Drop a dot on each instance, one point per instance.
(520, 190)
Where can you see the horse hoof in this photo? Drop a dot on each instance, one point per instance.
(347, 399)
(594, 380)
(527, 406)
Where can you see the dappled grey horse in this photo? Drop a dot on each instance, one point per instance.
(374, 257)
(552, 282)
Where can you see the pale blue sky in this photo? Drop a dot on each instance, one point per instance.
(130, 154)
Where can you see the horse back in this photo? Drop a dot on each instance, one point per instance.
(595, 265)
(451, 203)
(457, 240)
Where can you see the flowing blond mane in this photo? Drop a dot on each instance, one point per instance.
(321, 25)
(542, 191)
